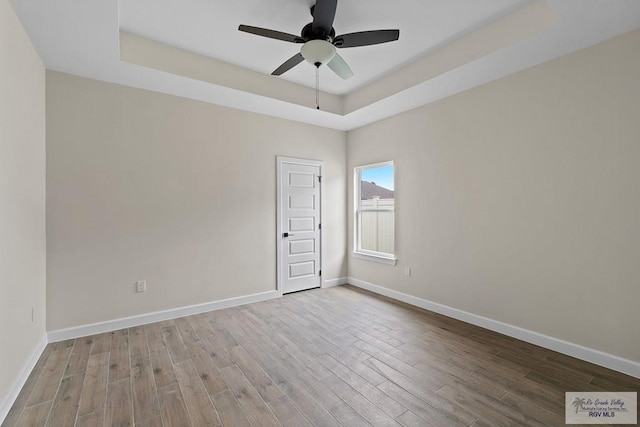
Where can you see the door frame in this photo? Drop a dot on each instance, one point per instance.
(280, 160)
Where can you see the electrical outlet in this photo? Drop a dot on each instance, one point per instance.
(407, 271)
(141, 286)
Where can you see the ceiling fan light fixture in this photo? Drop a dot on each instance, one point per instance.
(318, 52)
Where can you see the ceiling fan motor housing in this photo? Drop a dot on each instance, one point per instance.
(308, 33)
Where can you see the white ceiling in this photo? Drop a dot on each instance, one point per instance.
(81, 37)
(210, 28)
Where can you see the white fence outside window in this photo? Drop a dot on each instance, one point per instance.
(377, 225)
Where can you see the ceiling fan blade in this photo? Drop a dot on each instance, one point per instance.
(272, 34)
(323, 14)
(289, 64)
(340, 67)
(366, 38)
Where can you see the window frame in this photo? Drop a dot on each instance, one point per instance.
(358, 251)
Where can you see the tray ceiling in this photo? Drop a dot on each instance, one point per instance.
(191, 48)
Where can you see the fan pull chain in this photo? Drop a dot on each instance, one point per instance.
(317, 86)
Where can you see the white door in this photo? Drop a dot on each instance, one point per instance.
(299, 224)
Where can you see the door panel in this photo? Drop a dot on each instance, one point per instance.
(302, 269)
(299, 248)
(302, 224)
(302, 201)
(301, 180)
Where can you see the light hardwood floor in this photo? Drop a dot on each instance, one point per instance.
(338, 356)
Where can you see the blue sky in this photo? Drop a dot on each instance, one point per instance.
(382, 176)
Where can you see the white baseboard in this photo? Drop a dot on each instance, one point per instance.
(607, 360)
(11, 397)
(335, 282)
(143, 319)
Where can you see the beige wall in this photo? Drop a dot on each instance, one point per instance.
(520, 200)
(22, 200)
(180, 193)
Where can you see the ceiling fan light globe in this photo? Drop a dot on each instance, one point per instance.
(318, 52)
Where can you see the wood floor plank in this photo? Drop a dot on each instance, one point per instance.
(560, 384)
(456, 355)
(408, 358)
(195, 395)
(217, 321)
(430, 415)
(615, 382)
(382, 336)
(511, 346)
(162, 368)
(409, 419)
(303, 400)
(354, 359)
(459, 378)
(94, 419)
(342, 412)
(101, 343)
(200, 325)
(48, 382)
(217, 351)
(250, 401)
(545, 397)
(119, 411)
(339, 337)
(424, 392)
(119, 362)
(229, 410)
(143, 387)
(153, 335)
(255, 374)
(239, 331)
(543, 367)
(287, 413)
(396, 365)
(137, 342)
(174, 411)
(206, 369)
(358, 402)
(488, 409)
(299, 355)
(152, 422)
(64, 344)
(94, 389)
(65, 406)
(532, 412)
(120, 333)
(188, 334)
(79, 356)
(33, 416)
(391, 407)
(174, 343)
(580, 365)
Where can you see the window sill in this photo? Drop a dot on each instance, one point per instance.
(389, 260)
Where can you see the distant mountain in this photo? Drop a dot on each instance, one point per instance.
(369, 190)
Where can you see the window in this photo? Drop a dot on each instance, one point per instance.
(375, 212)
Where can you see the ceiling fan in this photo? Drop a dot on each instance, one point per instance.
(319, 40)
